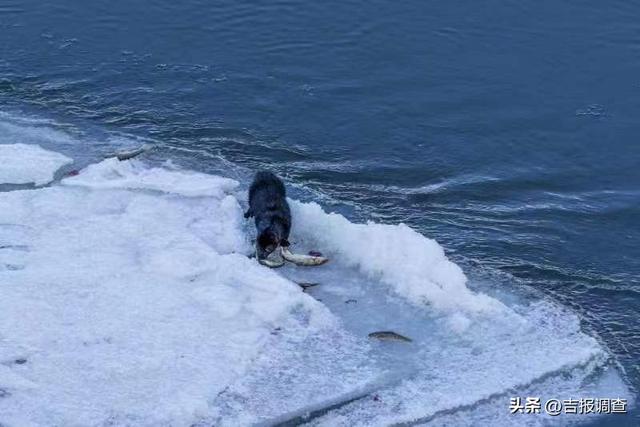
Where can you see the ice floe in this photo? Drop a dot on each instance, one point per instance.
(127, 298)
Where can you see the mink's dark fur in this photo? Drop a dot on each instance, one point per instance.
(268, 205)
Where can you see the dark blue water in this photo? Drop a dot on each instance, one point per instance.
(507, 130)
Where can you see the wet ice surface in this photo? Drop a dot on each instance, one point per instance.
(127, 298)
(533, 349)
(29, 164)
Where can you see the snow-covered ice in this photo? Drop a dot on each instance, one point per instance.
(134, 176)
(29, 164)
(131, 306)
(127, 298)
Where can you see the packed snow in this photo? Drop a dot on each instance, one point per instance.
(414, 266)
(127, 298)
(29, 164)
(136, 306)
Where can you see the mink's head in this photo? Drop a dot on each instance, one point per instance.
(268, 241)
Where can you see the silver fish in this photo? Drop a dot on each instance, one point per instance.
(130, 154)
(304, 260)
(389, 336)
(271, 263)
(307, 285)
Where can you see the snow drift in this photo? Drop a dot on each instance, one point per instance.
(412, 265)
